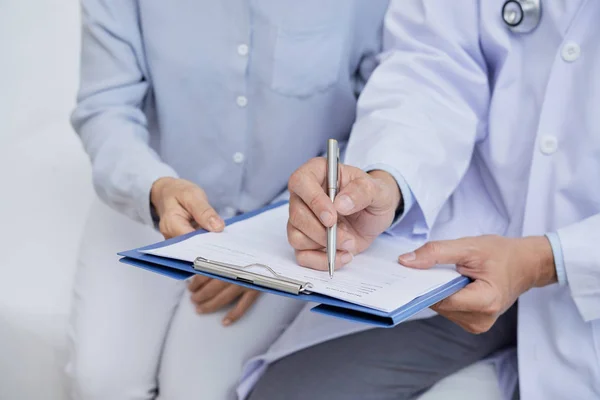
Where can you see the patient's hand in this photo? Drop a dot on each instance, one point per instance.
(210, 295)
(182, 207)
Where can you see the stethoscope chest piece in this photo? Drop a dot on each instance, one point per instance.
(522, 16)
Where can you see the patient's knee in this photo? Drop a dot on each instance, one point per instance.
(107, 376)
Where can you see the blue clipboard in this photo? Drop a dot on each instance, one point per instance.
(327, 305)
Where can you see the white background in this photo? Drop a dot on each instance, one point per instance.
(45, 190)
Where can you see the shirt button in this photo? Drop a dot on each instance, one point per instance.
(242, 101)
(570, 51)
(242, 49)
(548, 145)
(238, 158)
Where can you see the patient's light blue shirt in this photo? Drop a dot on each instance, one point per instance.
(233, 95)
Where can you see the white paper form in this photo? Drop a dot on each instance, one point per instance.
(373, 279)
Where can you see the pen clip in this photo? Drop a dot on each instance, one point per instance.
(240, 273)
(339, 172)
(333, 166)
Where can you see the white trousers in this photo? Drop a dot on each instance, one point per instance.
(135, 334)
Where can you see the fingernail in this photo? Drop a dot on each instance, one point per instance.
(348, 245)
(347, 257)
(412, 256)
(325, 217)
(226, 322)
(345, 204)
(214, 223)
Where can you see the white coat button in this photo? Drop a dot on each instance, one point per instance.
(242, 49)
(238, 158)
(242, 101)
(548, 145)
(228, 212)
(571, 51)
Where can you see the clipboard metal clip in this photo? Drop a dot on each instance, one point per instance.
(241, 273)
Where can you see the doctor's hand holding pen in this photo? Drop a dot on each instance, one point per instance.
(364, 207)
(182, 207)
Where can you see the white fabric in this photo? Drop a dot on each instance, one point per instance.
(44, 196)
(457, 90)
(121, 312)
(475, 382)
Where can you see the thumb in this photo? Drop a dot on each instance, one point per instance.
(438, 252)
(194, 202)
(356, 196)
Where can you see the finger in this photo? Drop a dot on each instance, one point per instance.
(307, 183)
(458, 318)
(174, 223)
(299, 240)
(357, 195)
(194, 201)
(197, 282)
(208, 291)
(240, 308)
(477, 297)
(222, 299)
(303, 219)
(315, 259)
(305, 231)
(458, 251)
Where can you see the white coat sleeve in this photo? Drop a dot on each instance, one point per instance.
(109, 117)
(581, 258)
(425, 105)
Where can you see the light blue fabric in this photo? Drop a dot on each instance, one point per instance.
(233, 96)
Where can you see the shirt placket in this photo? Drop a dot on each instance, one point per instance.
(539, 200)
(240, 107)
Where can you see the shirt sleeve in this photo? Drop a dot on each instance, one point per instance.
(424, 106)
(108, 117)
(559, 262)
(581, 258)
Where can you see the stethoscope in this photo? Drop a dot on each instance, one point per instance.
(522, 16)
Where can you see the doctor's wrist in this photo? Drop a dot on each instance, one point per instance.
(542, 260)
(387, 179)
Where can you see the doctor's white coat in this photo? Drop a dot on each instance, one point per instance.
(494, 132)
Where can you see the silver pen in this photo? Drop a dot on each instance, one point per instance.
(333, 168)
